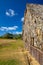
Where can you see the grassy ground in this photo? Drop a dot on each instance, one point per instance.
(11, 52)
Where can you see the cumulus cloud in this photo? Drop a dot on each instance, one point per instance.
(8, 28)
(10, 12)
(18, 32)
(22, 19)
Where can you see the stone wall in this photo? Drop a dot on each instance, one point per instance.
(33, 26)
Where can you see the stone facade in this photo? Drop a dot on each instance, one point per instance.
(33, 26)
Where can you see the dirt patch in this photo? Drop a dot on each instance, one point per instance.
(7, 40)
(4, 45)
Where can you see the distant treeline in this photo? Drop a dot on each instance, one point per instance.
(11, 36)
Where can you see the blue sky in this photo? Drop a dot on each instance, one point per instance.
(12, 15)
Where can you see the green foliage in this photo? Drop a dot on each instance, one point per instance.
(19, 36)
(8, 36)
(11, 36)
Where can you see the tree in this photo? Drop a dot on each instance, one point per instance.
(8, 36)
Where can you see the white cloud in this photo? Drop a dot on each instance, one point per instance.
(8, 28)
(18, 32)
(10, 12)
(7, 13)
(22, 19)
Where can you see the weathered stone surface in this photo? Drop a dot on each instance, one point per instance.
(33, 30)
(33, 25)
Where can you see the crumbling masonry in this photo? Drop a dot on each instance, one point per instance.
(33, 26)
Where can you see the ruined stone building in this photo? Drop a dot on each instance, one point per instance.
(33, 26)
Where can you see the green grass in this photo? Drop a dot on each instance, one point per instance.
(12, 45)
(8, 49)
(10, 62)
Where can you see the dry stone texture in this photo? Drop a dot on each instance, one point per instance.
(33, 25)
(33, 30)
